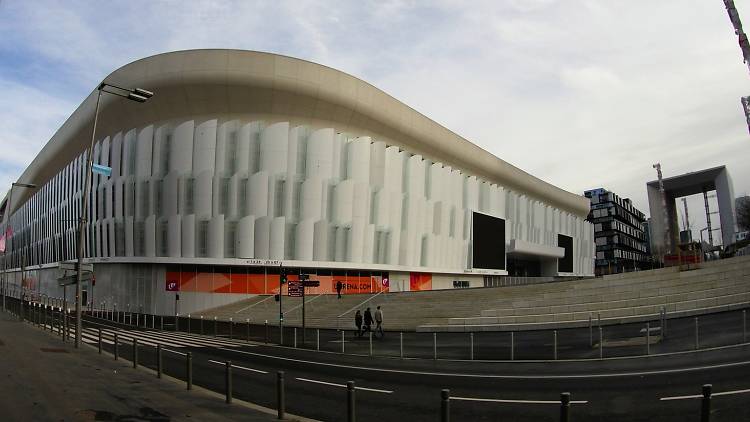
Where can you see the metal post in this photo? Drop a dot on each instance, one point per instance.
(744, 326)
(434, 346)
(351, 415)
(189, 370)
(564, 407)
(445, 405)
(370, 343)
(158, 360)
(228, 381)
(706, 403)
(161, 322)
(512, 345)
(116, 347)
(247, 332)
(216, 328)
(664, 325)
(100, 341)
(317, 339)
(201, 324)
(135, 353)
(554, 343)
(591, 331)
(601, 343)
(266, 325)
(471, 346)
(697, 340)
(188, 323)
(648, 338)
(401, 344)
(295, 337)
(231, 323)
(280, 394)
(342, 342)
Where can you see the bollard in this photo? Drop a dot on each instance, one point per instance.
(512, 345)
(116, 347)
(664, 325)
(161, 322)
(247, 334)
(648, 338)
(228, 381)
(188, 323)
(351, 415)
(471, 346)
(370, 343)
(100, 341)
(744, 327)
(266, 325)
(280, 394)
(564, 407)
(295, 337)
(401, 345)
(445, 405)
(434, 346)
(706, 403)
(342, 342)
(135, 353)
(189, 370)
(158, 360)
(554, 343)
(201, 324)
(317, 339)
(231, 323)
(216, 329)
(598, 319)
(697, 340)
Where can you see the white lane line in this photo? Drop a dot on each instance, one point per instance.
(375, 390)
(516, 401)
(699, 396)
(239, 367)
(129, 336)
(174, 351)
(492, 376)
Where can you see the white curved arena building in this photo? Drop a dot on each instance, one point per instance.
(243, 162)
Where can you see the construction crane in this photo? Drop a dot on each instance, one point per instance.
(734, 17)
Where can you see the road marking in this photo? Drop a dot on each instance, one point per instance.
(375, 390)
(517, 401)
(491, 376)
(700, 396)
(174, 351)
(239, 367)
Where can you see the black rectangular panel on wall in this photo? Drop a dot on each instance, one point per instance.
(565, 264)
(488, 242)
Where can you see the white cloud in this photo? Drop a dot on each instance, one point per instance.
(580, 93)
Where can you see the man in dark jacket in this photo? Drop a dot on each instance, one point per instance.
(368, 321)
(338, 288)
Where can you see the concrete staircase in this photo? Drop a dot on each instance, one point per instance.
(630, 297)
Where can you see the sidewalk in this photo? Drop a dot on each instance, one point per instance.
(44, 379)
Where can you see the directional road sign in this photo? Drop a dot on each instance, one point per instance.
(71, 279)
(295, 288)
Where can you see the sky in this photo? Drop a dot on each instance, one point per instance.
(580, 93)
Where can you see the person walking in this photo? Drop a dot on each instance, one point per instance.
(358, 322)
(339, 286)
(368, 321)
(379, 321)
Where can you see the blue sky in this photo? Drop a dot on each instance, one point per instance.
(581, 93)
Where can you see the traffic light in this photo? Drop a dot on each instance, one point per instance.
(283, 277)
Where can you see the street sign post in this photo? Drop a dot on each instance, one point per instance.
(311, 283)
(295, 289)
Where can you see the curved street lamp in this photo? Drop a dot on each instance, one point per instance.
(135, 94)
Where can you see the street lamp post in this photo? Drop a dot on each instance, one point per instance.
(7, 218)
(137, 95)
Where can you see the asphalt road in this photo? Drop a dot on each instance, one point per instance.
(396, 389)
